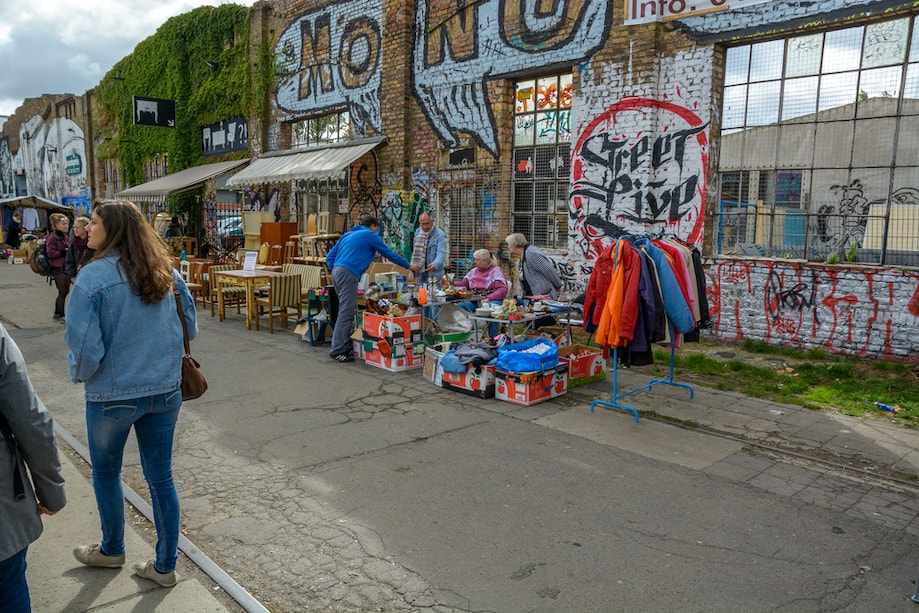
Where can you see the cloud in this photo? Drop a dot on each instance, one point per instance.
(67, 46)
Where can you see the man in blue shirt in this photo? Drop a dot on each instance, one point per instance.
(348, 260)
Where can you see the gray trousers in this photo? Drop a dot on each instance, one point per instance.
(346, 287)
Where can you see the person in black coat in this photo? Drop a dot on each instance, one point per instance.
(13, 231)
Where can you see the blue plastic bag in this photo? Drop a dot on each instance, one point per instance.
(514, 357)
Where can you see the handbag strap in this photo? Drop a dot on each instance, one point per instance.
(19, 489)
(182, 319)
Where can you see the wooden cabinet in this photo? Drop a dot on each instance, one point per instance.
(277, 233)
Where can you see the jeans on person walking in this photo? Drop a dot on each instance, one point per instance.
(153, 419)
(14, 591)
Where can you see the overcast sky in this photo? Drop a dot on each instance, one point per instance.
(67, 46)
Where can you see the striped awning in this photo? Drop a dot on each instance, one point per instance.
(159, 189)
(300, 164)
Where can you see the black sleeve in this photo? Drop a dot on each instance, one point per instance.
(70, 262)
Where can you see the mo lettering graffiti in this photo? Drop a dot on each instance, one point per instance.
(331, 58)
(627, 180)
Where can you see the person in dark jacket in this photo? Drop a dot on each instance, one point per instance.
(78, 253)
(56, 248)
(30, 462)
(13, 231)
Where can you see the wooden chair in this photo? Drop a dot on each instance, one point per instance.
(283, 295)
(195, 282)
(275, 255)
(291, 250)
(231, 293)
(312, 228)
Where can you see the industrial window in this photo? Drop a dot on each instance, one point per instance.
(542, 153)
(324, 130)
(820, 145)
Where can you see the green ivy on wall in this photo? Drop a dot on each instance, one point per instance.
(201, 60)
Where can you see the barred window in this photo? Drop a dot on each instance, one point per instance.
(820, 146)
(323, 130)
(542, 153)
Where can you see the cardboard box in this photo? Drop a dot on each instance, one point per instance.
(413, 357)
(433, 371)
(357, 340)
(396, 330)
(18, 253)
(585, 364)
(478, 381)
(528, 388)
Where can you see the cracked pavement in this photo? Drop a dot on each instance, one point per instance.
(321, 486)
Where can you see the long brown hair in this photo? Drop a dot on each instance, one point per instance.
(143, 255)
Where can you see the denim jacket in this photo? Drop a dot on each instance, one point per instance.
(121, 348)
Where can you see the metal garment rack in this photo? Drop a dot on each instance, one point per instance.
(614, 402)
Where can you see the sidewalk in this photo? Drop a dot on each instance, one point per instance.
(862, 444)
(57, 582)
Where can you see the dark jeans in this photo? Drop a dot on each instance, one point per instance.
(14, 591)
(62, 282)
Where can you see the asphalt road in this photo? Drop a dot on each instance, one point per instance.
(321, 486)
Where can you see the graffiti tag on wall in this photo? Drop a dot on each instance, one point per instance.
(628, 179)
(846, 310)
(330, 59)
(454, 57)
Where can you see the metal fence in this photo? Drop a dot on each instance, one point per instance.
(760, 230)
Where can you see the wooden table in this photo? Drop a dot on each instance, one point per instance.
(250, 279)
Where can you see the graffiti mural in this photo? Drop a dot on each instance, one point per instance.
(628, 179)
(330, 58)
(7, 185)
(851, 311)
(844, 223)
(454, 55)
(399, 213)
(365, 187)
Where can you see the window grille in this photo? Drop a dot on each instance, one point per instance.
(820, 146)
(542, 153)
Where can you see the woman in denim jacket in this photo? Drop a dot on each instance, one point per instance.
(126, 347)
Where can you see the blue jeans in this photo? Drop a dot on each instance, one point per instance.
(153, 419)
(14, 591)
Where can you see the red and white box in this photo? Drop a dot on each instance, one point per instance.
(396, 361)
(477, 381)
(528, 388)
(397, 330)
(585, 364)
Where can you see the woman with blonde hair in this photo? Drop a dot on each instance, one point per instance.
(126, 347)
(78, 253)
(485, 279)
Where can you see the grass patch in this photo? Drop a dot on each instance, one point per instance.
(810, 378)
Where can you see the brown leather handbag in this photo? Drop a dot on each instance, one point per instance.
(193, 382)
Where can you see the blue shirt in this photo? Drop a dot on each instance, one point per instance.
(356, 250)
(120, 347)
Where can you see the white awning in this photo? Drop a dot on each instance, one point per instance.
(299, 164)
(35, 202)
(159, 189)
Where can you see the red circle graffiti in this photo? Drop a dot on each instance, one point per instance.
(635, 103)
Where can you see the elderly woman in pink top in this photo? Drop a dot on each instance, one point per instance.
(485, 278)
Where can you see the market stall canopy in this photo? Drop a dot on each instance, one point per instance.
(159, 189)
(301, 164)
(35, 202)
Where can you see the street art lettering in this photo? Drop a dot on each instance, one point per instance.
(329, 59)
(627, 180)
(457, 50)
(850, 311)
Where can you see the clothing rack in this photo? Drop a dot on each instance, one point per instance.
(614, 402)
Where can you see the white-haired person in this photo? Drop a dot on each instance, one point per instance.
(537, 274)
(484, 279)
